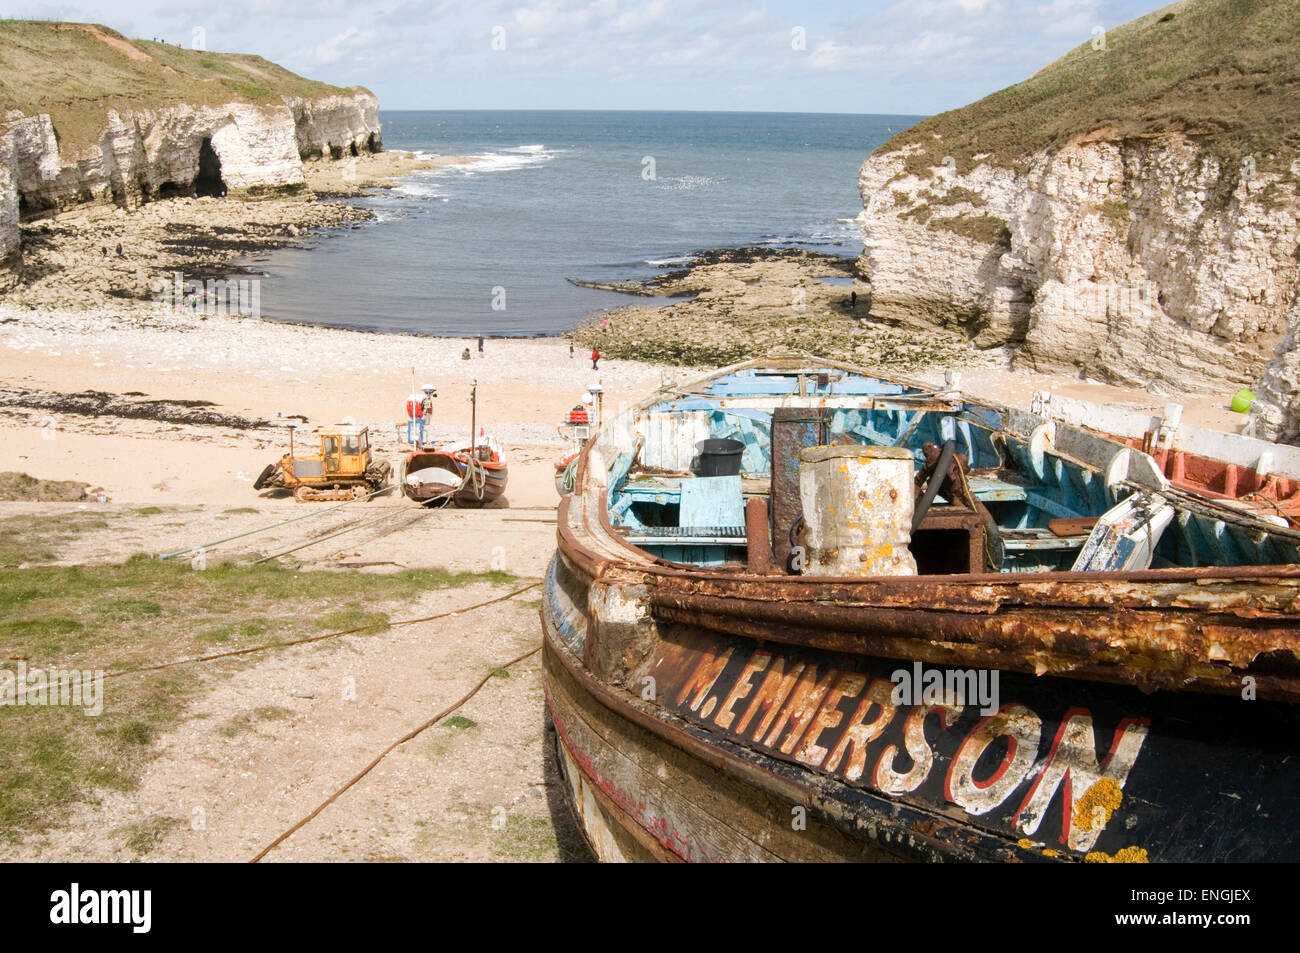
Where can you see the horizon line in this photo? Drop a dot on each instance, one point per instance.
(630, 109)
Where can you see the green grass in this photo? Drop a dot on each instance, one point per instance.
(525, 838)
(75, 72)
(459, 721)
(144, 836)
(37, 539)
(1224, 72)
(140, 613)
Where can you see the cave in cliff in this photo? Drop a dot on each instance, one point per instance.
(209, 181)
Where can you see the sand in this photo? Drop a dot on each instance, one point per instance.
(282, 373)
(276, 372)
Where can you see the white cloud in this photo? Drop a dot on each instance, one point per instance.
(348, 43)
(916, 55)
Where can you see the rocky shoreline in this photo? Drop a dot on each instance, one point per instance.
(72, 260)
(747, 302)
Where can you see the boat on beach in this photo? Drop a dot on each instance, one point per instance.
(1242, 472)
(470, 475)
(907, 624)
(465, 476)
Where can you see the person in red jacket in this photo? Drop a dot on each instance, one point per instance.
(595, 357)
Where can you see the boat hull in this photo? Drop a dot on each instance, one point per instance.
(640, 798)
(493, 486)
(1053, 770)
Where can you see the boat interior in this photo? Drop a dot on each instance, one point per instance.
(1021, 493)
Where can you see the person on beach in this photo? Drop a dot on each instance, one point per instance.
(570, 350)
(426, 411)
(595, 358)
(853, 299)
(464, 355)
(480, 345)
(119, 252)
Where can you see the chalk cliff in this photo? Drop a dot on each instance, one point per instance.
(1128, 224)
(182, 123)
(10, 240)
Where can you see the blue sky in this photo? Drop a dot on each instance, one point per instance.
(910, 56)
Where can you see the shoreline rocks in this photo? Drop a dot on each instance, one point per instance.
(750, 302)
(72, 260)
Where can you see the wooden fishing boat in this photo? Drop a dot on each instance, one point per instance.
(466, 476)
(471, 475)
(1062, 669)
(1246, 473)
(575, 431)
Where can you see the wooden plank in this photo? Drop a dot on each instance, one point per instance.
(1072, 526)
(989, 488)
(712, 501)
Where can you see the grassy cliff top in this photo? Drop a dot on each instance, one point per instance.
(75, 71)
(1224, 72)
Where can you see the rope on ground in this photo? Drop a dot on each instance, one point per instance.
(318, 638)
(262, 529)
(346, 529)
(383, 754)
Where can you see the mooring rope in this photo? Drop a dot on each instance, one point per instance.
(318, 638)
(262, 529)
(383, 754)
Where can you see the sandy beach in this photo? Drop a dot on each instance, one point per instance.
(308, 377)
(277, 373)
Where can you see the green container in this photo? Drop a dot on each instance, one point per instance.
(1242, 400)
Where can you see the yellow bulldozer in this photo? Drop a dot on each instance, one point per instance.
(344, 469)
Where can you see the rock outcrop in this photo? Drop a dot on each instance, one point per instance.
(1275, 414)
(1139, 261)
(178, 150)
(334, 127)
(156, 122)
(10, 237)
(1105, 217)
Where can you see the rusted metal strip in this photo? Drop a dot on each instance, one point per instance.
(1150, 650)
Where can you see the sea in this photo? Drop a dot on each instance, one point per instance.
(490, 247)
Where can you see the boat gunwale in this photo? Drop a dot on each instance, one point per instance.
(1210, 642)
(635, 559)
